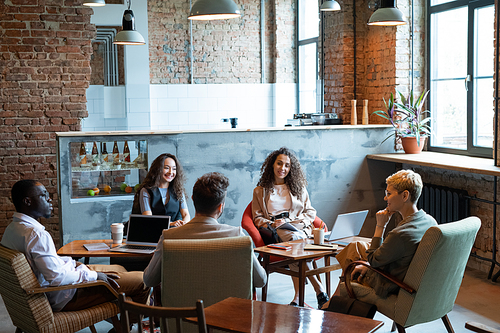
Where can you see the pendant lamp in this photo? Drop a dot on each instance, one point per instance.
(214, 10)
(128, 35)
(94, 3)
(330, 6)
(387, 15)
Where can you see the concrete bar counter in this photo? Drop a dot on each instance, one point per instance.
(333, 158)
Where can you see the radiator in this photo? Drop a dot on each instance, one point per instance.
(443, 203)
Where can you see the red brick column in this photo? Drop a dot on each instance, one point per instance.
(44, 72)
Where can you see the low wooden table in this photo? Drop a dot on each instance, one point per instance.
(300, 256)
(248, 316)
(76, 250)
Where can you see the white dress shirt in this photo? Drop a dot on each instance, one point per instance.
(28, 236)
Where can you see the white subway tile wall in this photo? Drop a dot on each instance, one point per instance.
(196, 107)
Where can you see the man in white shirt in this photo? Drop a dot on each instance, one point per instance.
(27, 235)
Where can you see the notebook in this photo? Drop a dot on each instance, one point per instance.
(143, 233)
(346, 225)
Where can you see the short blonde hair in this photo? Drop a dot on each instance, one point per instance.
(406, 180)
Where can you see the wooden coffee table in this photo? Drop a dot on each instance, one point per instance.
(300, 256)
(248, 316)
(76, 250)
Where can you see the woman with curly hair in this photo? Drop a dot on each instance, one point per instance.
(281, 197)
(162, 191)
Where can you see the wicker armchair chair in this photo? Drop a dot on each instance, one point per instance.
(29, 308)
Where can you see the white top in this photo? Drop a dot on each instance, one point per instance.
(28, 236)
(279, 200)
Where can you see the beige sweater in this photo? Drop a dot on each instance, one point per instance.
(302, 213)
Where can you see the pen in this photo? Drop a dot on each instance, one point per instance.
(325, 245)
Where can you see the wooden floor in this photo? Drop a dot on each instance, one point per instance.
(478, 301)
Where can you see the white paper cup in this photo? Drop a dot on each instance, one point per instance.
(319, 235)
(117, 233)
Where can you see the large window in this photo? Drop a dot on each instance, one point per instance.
(307, 56)
(461, 75)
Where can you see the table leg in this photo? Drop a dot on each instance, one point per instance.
(266, 267)
(302, 281)
(328, 276)
(86, 260)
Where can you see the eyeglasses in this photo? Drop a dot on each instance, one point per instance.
(389, 193)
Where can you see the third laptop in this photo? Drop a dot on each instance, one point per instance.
(347, 225)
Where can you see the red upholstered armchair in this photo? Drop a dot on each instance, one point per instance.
(253, 232)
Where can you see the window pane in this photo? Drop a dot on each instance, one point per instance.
(308, 19)
(438, 2)
(483, 76)
(307, 75)
(447, 72)
(449, 114)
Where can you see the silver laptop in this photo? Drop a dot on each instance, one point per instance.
(346, 225)
(143, 233)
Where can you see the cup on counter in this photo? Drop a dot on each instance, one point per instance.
(117, 233)
(319, 235)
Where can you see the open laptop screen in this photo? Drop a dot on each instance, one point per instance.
(146, 229)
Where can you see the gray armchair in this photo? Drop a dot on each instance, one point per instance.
(431, 284)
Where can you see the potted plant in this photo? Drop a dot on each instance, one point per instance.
(410, 122)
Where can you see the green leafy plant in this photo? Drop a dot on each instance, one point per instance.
(407, 117)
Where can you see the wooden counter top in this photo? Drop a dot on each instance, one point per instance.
(478, 165)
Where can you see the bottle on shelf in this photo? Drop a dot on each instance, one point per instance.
(126, 152)
(82, 155)
(354, 114)
(366, 118)
(116, 154)
(104, 153)
(95, 155)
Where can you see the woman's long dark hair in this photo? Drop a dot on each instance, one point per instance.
(155, 174)
(295, 180)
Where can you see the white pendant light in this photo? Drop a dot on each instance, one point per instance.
(94, 3)
(214, 10)
(387, 15)
(330, 6)
(128, 35)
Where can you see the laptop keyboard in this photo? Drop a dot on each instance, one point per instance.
(138, 247)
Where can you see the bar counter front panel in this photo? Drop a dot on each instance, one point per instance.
(333, 158)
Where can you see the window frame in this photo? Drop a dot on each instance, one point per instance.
(304, 42)
(471, 150)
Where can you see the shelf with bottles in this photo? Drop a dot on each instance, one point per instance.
(94, 156)
(95, 171)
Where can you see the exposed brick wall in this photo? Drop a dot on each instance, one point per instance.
(382, 59)
(44, 71)
(225, 51)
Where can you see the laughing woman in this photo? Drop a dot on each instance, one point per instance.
(281, 197)
(162, 191)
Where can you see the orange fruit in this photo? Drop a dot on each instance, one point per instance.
(107, 188)
(96, 190)
(128, 189)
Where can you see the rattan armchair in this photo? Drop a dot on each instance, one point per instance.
(29, 308)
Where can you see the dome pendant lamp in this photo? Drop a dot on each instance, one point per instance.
(330, 6)
(214, 10)
(128, 35)
(94, 3)
(387, 15)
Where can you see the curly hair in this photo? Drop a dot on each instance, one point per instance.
(154, 176)
(406, 180)
(295, 180)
